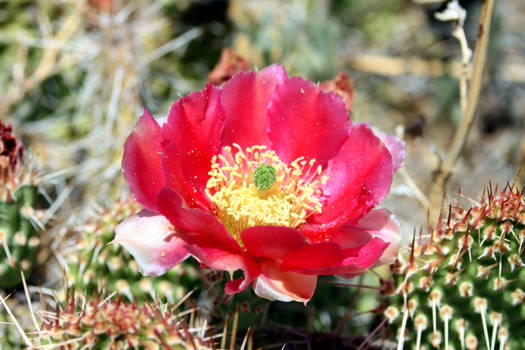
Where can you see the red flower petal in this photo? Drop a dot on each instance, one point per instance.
(313, 256)
(274, 284)
(207, 239)
(359, 177)
(353, 261)
(219, 259)
(364, 256)
(149, 237)
(272, 241)
(245, 98)
(194, 129)
(194, 225)
(304, 121)
(141, 163)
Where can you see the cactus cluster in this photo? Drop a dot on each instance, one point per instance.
(100, 322)
(19, 220)
(94, 262)
(463, 287)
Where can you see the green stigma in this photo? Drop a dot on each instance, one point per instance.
(264, 177)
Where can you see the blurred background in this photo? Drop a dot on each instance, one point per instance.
(76, 75)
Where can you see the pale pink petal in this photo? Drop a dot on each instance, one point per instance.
(378, 223)
(150, 238)
(395, 146)
(274, 284)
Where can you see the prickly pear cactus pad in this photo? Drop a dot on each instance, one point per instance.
(19, 221)
(463, 287)
(93, 261)
(101, 322)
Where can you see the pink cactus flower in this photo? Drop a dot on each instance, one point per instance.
(267, 175)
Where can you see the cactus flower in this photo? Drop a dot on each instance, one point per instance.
(267, 175)
(11, 150)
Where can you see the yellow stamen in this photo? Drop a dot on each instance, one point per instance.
(238, 203)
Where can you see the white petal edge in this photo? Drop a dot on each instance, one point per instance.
(265, 290)
(149, 237)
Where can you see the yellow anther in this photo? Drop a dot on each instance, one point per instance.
(239, 204)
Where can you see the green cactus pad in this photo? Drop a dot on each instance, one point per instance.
(463, 287)
(105, 322)
(19, 239)
(94, 262)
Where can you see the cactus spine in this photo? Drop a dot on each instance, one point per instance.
(464, 287)
(19, 223)
(98, 322)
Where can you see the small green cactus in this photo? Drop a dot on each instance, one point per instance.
(101, 322)
(19, 223)
(94, 262)
(463, 287)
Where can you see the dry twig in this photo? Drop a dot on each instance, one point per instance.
(445, 169)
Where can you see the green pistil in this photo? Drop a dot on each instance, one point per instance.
(264, 177)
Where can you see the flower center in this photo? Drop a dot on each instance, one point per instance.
(253, 187)
(264, 177)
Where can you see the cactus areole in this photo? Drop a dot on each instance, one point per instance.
(464, 287)
(267, 175)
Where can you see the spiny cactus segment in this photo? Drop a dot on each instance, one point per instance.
(100, 322)
(93, 261)
(19, 220)
(463, 287)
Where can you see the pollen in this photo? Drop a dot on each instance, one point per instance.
(252, 187)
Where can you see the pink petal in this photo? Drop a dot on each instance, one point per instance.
(304, 121)
(274, 284)
(194, 225)
(395, 146)
(245, 98)
(364, 256)
(193, 133)
(313, 256)
(359, 177)
(207, 239)
(376, 224)
(272, 241)
(150, 238)
(141, 163)
(354, 260)
(219, 259)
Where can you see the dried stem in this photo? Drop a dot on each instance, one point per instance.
(420, 196)
(459, 33)
(480, 55)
